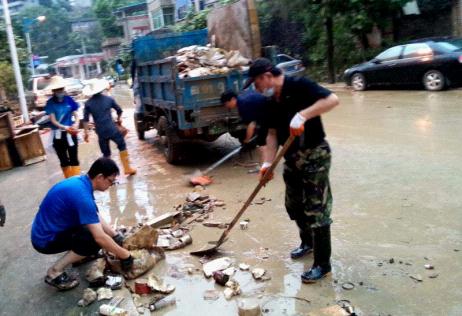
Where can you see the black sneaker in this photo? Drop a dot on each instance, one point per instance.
(315, 274)
(300, 251)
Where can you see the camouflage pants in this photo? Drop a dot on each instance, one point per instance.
(308, 194)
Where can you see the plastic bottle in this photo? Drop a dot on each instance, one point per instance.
(168, 301)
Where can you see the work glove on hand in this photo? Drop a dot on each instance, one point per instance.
(263, 170)
(297, 125)
(2, 215)
(126, 264)
(119, 239)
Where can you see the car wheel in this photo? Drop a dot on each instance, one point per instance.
(358, 81)
(434, 80)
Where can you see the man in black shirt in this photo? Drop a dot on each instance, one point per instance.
(295, 110)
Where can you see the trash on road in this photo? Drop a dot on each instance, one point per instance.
(159, 286)
(258, 273)
(232, 289)
(348, 286)
(104, 293)
(216, 265)
(109, 310)
(248, 307)
(165, 302)
(114, 282)
(144, 260)
(416, 277)
(244, 225)
(142, 287)
(244, 267)
(88, 297)
(95, 274)
(143, 237)
(429, 266)
(220, 278)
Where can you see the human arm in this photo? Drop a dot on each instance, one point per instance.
(320, 107)
(106, 227)
(106, 242)
(250, 132)
(118, 109)
(268, 152)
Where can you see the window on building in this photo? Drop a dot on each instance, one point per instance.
(169, 16)
(157, 19)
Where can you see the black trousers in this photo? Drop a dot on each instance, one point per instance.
(68, 155)
(78, 239)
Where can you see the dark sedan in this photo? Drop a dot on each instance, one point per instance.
(435, 64)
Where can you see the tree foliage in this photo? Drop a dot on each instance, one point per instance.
(320, 29)
(54, 37)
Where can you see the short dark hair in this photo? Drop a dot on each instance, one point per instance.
(227, 96)
(105, 166)
(260, 66)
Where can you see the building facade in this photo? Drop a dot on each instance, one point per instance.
(134, 20)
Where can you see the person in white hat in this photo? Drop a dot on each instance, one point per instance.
(62, 110)
(100, 107)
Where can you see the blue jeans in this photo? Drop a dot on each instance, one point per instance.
(116, 137)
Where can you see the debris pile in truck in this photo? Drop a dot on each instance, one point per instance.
(196, 61)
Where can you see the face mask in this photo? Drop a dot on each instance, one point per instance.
(60, 96)
(268, 92)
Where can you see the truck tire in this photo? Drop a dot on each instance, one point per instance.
(172, 148)
(140, 128)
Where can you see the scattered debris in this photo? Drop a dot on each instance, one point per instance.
(391, 261)
(142, 287)
(429, 266)
(232, 289)
(433, 275)
(348, 286)
(144, 237)
(104, 293)
(216, 265)
(244, 225)
(195, 61)
(165, 302)
(88, 297)
(346, 305)
(109, 310)
(193, 196)
(230, 271)
(215, 224)
(164, 219)
(416, 277)
(249, 308)
(220, 277)
(211, 295)
(244, 266)
(144, 260)
(95, 274)
(159, 286)
(258, 273)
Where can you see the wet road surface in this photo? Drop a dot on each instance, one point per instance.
(397, 186)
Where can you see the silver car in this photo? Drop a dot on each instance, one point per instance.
(289, 65)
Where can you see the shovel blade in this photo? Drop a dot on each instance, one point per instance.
(205, 251)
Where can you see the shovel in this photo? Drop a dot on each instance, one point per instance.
(207, 250)
(201, 178)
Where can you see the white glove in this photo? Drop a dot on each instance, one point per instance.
(297, 125)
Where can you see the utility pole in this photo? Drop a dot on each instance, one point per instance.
(14, 60)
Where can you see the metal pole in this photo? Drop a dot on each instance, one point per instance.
(29, 51)
(14, 60)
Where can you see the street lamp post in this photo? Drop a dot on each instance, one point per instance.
(15, 62)
(27, 24)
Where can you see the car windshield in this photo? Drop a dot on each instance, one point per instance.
(446, 47)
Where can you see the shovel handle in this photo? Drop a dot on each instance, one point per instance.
(257, 189)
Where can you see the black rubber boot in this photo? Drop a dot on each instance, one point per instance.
(306, 245)
(322, 251)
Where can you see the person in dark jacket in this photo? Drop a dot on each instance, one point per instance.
(100, 107)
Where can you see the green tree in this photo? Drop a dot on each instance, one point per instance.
(54, 37)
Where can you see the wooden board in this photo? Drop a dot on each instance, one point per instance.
(30, 147)
(6, 126)
(5, 159)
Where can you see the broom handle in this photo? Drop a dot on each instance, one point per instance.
(261, 183)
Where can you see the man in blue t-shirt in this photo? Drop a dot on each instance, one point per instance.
(68, 220)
